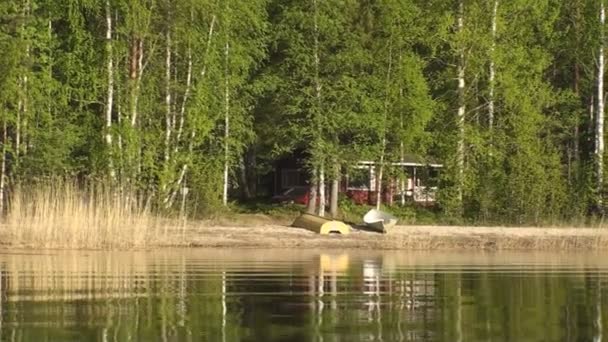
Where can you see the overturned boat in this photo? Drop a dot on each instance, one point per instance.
(379, 221)
(321, 225)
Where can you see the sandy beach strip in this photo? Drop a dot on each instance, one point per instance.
(401, 237)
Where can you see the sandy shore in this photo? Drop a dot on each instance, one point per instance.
(403, 237)
(280, 236)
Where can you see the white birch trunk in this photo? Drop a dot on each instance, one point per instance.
(171, 198)
(168, 110)
(208, 48)
(461, 107)
(599, 133)
(318, 183)
(322, 190)
(182, 174)
(226, 124)
(379, 183)
(414, 183)
(134, 159)
(576, 85)
(335, 192)
(182, 209)
(22, 122)
(119, 138)
(182, 111)
(592, 116)
(402, 188)
(110, 90)
(384, 129)
(22, 106)
(137, 86)
(492, 67)
(18, 122)
(312, 200)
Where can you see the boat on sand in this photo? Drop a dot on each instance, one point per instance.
(379, 221)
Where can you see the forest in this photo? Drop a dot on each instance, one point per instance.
(156, 97)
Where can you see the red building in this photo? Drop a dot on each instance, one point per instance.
(412, 179)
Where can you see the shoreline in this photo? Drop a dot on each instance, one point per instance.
(414, 238)
(403, 238)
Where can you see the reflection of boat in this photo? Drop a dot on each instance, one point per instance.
(379, 220)
(334, 263)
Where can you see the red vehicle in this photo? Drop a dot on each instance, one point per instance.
(297, 195)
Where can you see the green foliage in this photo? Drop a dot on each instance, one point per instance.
(340, 81)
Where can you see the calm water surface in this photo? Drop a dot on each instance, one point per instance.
(281, 295)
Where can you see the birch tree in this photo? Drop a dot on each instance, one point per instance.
(8, 65)
(110, 87)
(226, 121)
(406, 105)
(308, 35)
(164, 95)
(460, 152)
(599, 128)
(492, 77)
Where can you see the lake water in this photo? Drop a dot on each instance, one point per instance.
(282, 295)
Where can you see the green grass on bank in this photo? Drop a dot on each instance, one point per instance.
(349, 212)
(409, 214)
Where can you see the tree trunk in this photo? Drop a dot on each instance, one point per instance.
(577, 82)
(335, 192)
(136, 73)
(312, 200)
(591, 127)
(110, 90)
(22, 150)
(22, 107)
(226, 124)
(319, 186)
(168, 111)
(18, 122)
(171, 197)
(208, 48)
(322, 190)
(251, 167)
(248, 173)
(461, 108)
(379, 182)
(245, 193)
(599, 133)
(182, 112)
(119, 143)
(384, 128)
(136, 158)
(492, 68)
(182, 209)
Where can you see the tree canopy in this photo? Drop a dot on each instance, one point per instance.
(156, 96)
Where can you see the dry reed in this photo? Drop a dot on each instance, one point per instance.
(64, 216)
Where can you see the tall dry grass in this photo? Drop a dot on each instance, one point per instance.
(65, 216)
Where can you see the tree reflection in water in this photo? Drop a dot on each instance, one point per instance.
(273, 295)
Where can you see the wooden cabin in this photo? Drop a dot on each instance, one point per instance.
(411, 180)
